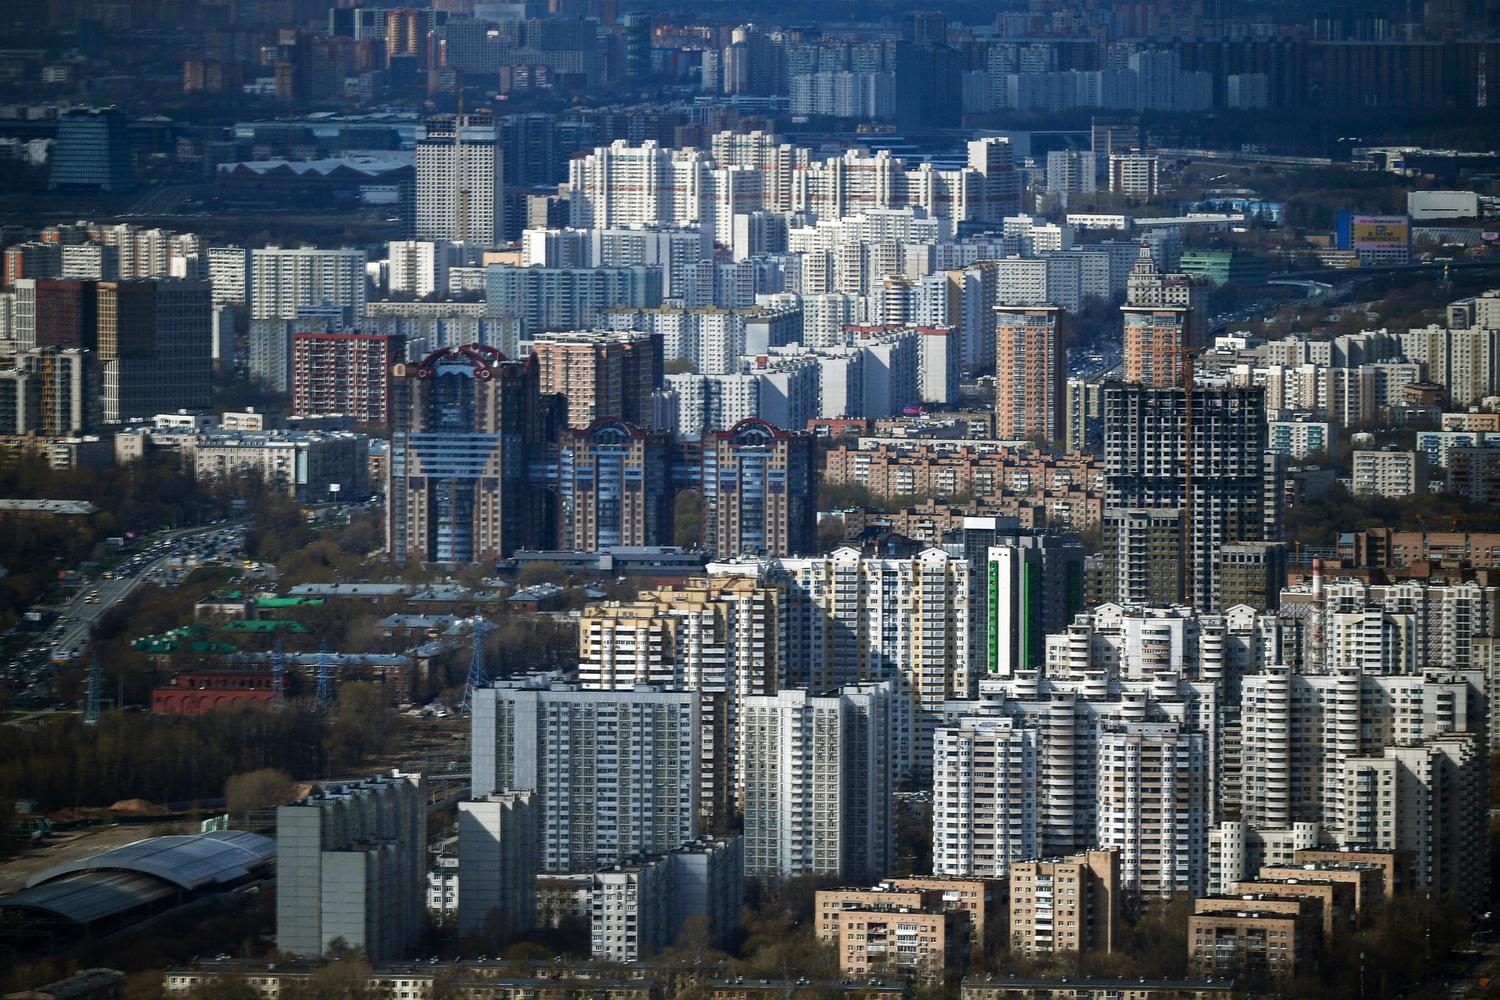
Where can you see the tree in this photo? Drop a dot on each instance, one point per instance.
(363, 725)
(687, 519)
(232, 985)
(262, 788)
(346, 977)
(830, 533)
(543, 571)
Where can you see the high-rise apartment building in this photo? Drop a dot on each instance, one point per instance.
(92, 152)
(283, 283)
(1466, 361)
(497, 862)
(1209, 463)
(56, 313)
(1306, 739)
(603, 375)
(818, 783)
(1154, 807)
(229, 274)
(1083, 421)
(613, 487)
(1031, 586)
(460, 181)
(352, 865)
(1163, 318)
(541, 299)
(51, 391)
(1030, 371)
(154, 346)
(613, 771)
(759, 491)
(91, 262)
(719, 637)
(1034, 591)
(625, 185)
(1108, 136)
(344, 373)
(1427, 799)
(641, 907)
(420, 267)
(985, 816)
(1071, 171)
(1137, 175)
(852, 619)
(465, 423)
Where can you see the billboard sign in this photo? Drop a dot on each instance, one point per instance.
(1379, 233)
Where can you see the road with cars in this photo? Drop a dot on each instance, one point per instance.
(94, 600)
(95, 596)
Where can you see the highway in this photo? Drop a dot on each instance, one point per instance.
(81, 614)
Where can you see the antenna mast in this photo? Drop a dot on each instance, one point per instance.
(325, 685)
(478, 676)
(96, 681)
(278, 675)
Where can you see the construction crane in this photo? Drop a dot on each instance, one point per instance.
(1190, 352)
(461, 193)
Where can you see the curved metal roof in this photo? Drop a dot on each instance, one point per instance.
(189, 861)
(90, 897)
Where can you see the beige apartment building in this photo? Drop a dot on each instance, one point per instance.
(1065, 904)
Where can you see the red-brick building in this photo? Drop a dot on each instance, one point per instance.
(199, 691)
(344, 373)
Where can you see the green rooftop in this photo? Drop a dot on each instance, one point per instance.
(266, 627)
(289, 602)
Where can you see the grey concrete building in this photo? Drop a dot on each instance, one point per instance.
(351, 868)
(614, 771)
(497, 861)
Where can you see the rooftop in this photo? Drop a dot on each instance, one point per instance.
(59, 507)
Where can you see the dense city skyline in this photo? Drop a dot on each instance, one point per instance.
(579, 498)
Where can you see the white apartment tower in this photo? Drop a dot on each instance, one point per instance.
(461, 181)
(984, 797)
(818, 783)
(352, 860)
(850, 619)
(612, 770)
(1153, 787)
(282, 282)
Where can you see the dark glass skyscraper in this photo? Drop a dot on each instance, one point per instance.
(466, 423)
(92, 152)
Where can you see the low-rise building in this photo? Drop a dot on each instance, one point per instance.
(1066, 904)
(1334, 898)
(90, 984)
(878, 939)
(1394, 866)
(1252, 935)
(193, 692)
(309, 466)
(1025, 988)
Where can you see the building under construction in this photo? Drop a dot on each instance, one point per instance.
(460, 180)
